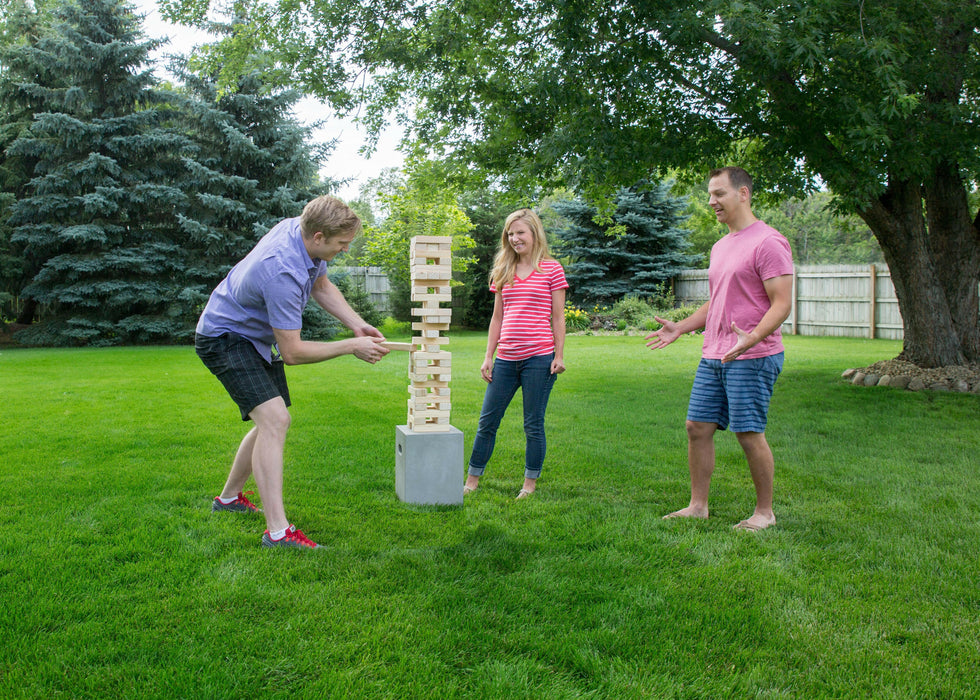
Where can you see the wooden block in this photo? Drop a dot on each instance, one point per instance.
(434, 340)
(429, 384)
(441, 240)
(399, 347)
(428, 296)
(426, 258)
(430, 427)
(434, 315)
(442, 355)
(419, 379)
(432, 272)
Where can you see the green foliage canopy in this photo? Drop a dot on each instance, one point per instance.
(876, 100)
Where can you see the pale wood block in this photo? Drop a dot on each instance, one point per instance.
(429, 328)
(398, 347)
(432, 272)
(440, 240)
(430, 409)
(426, 411)
(419, 378)
(434, 341)
(433, 286)
(428, 416)
(430, 383)
(419, 259)
(431, 428)
(431, 297)
(434, 315)
(423, 396)
(443, 355)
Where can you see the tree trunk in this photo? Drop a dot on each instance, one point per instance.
(934, 270)
(953, 241)
(27, 311)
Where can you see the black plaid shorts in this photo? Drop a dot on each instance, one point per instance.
(246, 376)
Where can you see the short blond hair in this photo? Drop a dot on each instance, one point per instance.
(330, 216)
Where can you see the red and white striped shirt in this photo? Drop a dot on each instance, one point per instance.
(526, 328)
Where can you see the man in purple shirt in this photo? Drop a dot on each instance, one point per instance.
(750, 279)
(250, 329)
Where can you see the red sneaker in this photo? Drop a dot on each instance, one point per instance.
(239, 505)
(292, 538)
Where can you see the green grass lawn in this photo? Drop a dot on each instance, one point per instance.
(117, 581)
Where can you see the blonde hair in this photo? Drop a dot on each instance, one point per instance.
(505, 262)
(330, 216)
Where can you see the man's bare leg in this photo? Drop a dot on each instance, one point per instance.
(241, 467)
(271, 424)
(762, 467)
(701, 463)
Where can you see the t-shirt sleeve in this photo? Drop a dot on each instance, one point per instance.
(774, 258)
(284, 302)
(556, 277)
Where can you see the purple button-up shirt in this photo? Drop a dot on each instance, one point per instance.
(267, 289)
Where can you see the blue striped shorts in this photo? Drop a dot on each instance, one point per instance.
(735, 395)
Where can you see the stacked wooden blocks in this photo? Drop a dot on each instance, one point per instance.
(430, 366)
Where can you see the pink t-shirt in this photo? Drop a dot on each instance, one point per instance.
(526, 329)
(740, 263)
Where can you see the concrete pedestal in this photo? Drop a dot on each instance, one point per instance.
(429, 466)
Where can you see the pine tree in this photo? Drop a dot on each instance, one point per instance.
(646, 251)
(99, 213)
(251, 166)
(19, 71)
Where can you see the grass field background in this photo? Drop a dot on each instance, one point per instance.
(116, 580)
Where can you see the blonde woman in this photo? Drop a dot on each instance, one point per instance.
(527, 333)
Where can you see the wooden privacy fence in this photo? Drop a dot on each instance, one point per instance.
(374, 281)
(830, 300)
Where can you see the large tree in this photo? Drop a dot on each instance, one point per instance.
(639, 259)
(250, 165)
(97, 217)
(876, 100)
(22, 69)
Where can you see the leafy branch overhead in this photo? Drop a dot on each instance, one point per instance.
(877, 101)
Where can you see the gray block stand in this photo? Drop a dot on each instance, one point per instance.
(429, 466)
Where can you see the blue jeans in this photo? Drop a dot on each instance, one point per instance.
(534, 377)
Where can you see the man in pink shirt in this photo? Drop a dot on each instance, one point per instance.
(750, 279)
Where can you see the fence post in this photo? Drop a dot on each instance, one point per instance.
(872, 331)
(794, 308)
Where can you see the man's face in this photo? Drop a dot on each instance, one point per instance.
(724, 198)
(327, 248)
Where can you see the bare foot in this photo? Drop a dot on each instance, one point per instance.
(689, 512)
(756, 522)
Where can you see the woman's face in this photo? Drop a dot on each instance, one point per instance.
(520, 237)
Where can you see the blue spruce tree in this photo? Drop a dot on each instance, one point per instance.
(98, 215)
(649, 250)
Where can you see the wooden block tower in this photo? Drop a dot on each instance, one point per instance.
(430, 366)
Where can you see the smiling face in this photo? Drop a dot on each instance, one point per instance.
(730, 203)
(520, 237)
(327, 248)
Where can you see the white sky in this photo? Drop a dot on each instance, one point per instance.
(345, 161)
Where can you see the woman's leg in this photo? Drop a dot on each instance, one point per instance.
(500, 391)
(536, 383)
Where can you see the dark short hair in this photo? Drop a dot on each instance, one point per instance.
(736, 175)
(330, 216)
